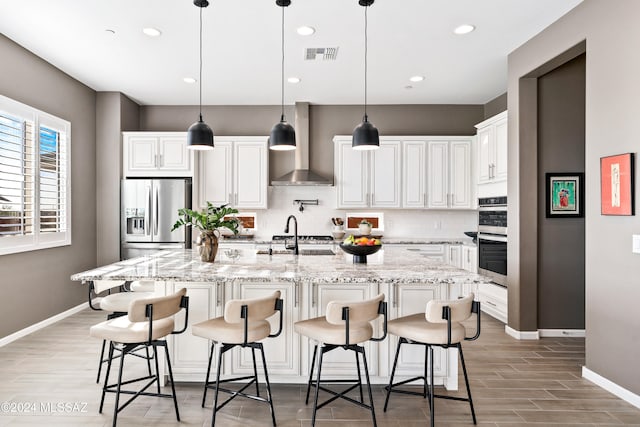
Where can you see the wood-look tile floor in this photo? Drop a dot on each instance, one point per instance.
(514, 383)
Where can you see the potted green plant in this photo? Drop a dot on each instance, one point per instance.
(208, 221)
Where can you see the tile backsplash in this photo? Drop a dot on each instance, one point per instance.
(317, 219)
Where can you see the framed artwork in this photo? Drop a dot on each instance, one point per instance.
(616, 185)
(564, 195)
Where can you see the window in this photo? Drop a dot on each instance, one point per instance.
(35, 196)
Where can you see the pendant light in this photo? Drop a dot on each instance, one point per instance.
(283, 136)
(365, 135)
(200, 135)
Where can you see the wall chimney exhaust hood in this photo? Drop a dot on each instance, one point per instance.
(301, 175)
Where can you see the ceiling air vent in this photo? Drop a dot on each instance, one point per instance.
(323, 53)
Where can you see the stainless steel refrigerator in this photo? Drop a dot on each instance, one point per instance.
(149, 208)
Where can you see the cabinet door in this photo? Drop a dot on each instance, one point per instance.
(386, 164)
(283, 352)
(250, 174)
(141, 154)
(460, 174)
(500, 168)
(454, 255)
(438, 174)
(339, 362)
(173, 155)
(215, 175)
(407, 300)
(190, 354)
(485, 154)
(414, 174)
(470, 258)
(352, 174)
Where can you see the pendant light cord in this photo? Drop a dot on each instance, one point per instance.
(366, 44)
(201, 7)
(282, 119)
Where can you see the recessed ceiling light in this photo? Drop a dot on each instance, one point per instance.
(152, 32)
(189, 80)
(416, 78)
(293, 79)
(464, 29)
(305, 30)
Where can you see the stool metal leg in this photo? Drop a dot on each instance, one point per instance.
(115, 408)
(315, 402)
(155, 358)
(173, 388)
(106, 379)
(359, 376)
(266, 378)
(393, 372)
(104, 342)
(255, 370)
(366, 375)
(215, 399)
(313, 362)
(426, 393)
(466, 381)
(206, 380)
(431, 388)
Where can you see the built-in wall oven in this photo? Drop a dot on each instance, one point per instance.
(492, 238)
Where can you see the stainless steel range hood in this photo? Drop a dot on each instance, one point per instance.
(301, 175)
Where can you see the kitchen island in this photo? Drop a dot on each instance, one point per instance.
(307, 283)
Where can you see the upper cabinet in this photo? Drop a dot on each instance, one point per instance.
(449, 177)
(492, 149)
(368, 179)
(156, 154)
(235, 172)
(406, 172)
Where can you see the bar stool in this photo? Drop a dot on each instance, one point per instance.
(147, 323)
(116, 305)
(345, 325)
(244, 324)
(441, 326)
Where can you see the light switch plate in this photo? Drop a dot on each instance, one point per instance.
(636, 244)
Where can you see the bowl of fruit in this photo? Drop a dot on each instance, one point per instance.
(360, 247)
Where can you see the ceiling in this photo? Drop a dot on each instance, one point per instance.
(242, 56)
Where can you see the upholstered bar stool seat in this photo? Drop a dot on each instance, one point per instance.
(416, 328)
(346, 325)
(244, 324)
(119, 303)
(440, 326)
(147, 323)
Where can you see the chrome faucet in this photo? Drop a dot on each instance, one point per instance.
(295, 234)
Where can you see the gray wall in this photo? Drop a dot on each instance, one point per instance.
(36, 283)
(560, 240)
(495, 106)
(611, 117)
(325, 121)
(114, 113)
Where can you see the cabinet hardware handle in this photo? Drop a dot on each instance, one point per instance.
(424, 201)
(395, 294)
(230, 197)
(295, 294)
(160, 159)
(218, 292)
(236, 199)
(468, 257)
(490, 303)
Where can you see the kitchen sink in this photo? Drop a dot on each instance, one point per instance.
(302, 252)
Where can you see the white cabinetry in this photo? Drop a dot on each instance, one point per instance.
(449, 177)
(492, 149)
(414, 174)
(282, 352)
(470, 258)
(454, 255)
(404, 301)
(189, 354)
(493, 300)
(368, 178)
(151, 154)
(339, 362)
(235, 172)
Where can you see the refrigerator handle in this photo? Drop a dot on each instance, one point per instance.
(147, 226)
(155, 213)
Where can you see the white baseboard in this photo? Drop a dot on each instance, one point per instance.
(46, 322)
(611, 387)
(580, 333)
(522, 335)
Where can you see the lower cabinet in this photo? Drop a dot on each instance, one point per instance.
(283, 352)
(493, 300)
(341, 363)
(470, 258)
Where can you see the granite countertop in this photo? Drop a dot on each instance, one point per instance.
(385, 240)
(389, 265)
